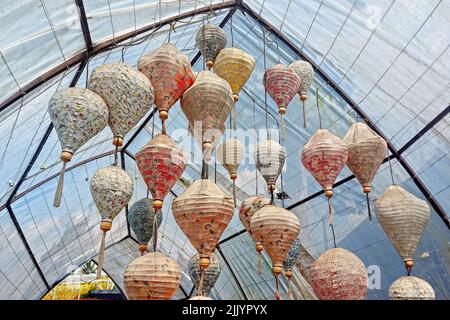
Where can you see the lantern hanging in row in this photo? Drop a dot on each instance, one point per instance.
(235, 66)
(366, 152)
(246, 211)
(205, 281)
(203, 212)
(306, 73)
(210, 40)
(230, 154)
(161, 163)
(152, 276)
(404, 218)
(289, 262)
(339, 274)
(207, 105)
(324, 156)
(77, 115)
(170, 73)
(270, 159)
(111, 188)
(127, 93)
(411, 288)
(276, 229)
(144, 220)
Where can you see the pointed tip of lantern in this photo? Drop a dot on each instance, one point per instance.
(66, 156)
(209, 64)
(163, 114)
(277, 269)
(282, 110)
(329, 193)
(303, 97)
(235, 97)
(118, 141)
(204, 262)
(142, 248)
(106, 225)
(409, 263)
(233, 175)
(366, 189)
(157, 204)
(288, 273)
(259, 247)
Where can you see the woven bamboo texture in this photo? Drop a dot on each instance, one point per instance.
(270, 158)
(210, 40)
(411, 288)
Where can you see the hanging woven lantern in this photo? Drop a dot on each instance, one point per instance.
(324, 156)
(200, 298)
(366, 152)
(282, 84)
(203, 212)
(306, 73)
(248, 208)
(289, 262)
(152, 276)
(210, 40)
(207, 105)
(230, 154)
(210, 275)
(338, 274)
(128, 94)
(276, 228)
(161, 164)
(403, 218)
(411, 288)
(270, 158)
(144, 221)
(78, 115)
(170, 73)
(111, 189)
(235, 66)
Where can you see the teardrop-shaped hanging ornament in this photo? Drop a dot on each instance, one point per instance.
(270, 159)
(366, 152)
(404, 218)
(276, 228)
(230, 154)
(77, 115)
(111, 188)
(142, 218)
(161, 163)
(170, 73)
(411, 288)
(235, 66)
(306, 73)
(203, 212)
(207, 105)
(246, 211)
(339, 274)
(210, 40)
(289, 262)
(128, 94)
(204, 283)
(152, 276)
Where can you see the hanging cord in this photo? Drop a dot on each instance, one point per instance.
(155, 230)
(163, 126)
(390, 167)
(200, 282)
(317, 105)
(368, 206)
(277, 287)
(256, 135)
(101, 256)
(231, 31)
(59, 188)
(330, 209)
(204, 170)
(304, 112)
(116, 158)
(265, 90)
(289, 290)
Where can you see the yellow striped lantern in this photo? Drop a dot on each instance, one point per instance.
(210, 40)
(411, 288)
(306, 73)
(77, 115)
(153, 276)
(366, 152)
(276, 229)
(404, 218)
(111, 188)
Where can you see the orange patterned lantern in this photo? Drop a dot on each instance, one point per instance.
(338, 274)
(276, 228)
(152, 276)
(161, 164)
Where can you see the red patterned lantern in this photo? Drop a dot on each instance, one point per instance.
(282, 84)
(161, 164)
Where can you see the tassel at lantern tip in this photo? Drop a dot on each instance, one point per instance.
(59, 188)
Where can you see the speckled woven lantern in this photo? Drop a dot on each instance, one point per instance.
(161, 163)
(152, 276)
(111, 189)
(411, 288)
(144, 222)
(230, 154)
(270, 158)
(128, 94)
(282, 84)
(366, 152)
(210, 275)
(246, 211)
(207, 105)
(235, 66)
(276, 228)
(203, 212)
(306, 73)
(403, 218)
(289, 262)
(338, 274)
(210, 40)
(170, 73)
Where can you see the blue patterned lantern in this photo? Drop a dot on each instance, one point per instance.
(205, 281)
(290, 260)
